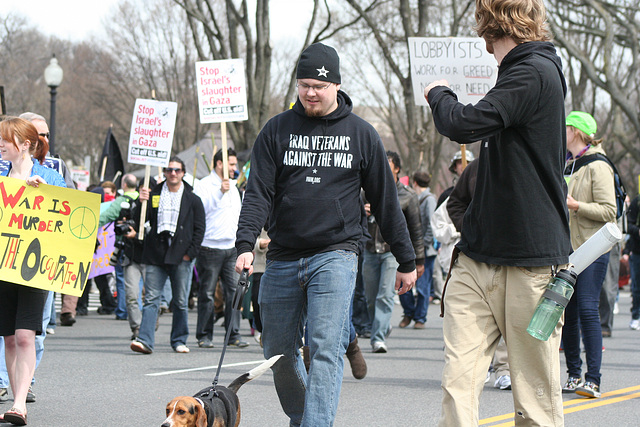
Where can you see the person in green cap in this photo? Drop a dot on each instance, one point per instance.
(592, 203)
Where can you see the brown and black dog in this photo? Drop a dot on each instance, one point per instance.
(212, 407)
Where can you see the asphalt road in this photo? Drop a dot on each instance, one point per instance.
(90, 377)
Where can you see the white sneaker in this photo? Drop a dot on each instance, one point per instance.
(634, 324)
(51, 331)
(616, 309)
(379, 347)
(257, 336)
(503, 382)
(181, 349)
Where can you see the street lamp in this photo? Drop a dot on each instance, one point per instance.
(53, 77)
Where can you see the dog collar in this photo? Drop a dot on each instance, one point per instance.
(200, 402)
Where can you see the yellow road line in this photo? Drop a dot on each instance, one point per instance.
(581, 404)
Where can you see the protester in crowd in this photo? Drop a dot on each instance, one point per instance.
(22, 307)
(610, 287)
(592, 204)
(455, 167)
(110, 191)
(130, 258)
(415, 307)
(43, 131)
(222, 203)
(633, 247)
(308, 166)
(515, 232)
(259, 265)
(177, 223)
(379, 264)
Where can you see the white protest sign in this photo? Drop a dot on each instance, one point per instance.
(152, 131)
(463, 61)
(222, 91)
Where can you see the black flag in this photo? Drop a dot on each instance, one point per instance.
(111, 164)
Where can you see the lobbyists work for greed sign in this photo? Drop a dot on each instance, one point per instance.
(152, 130)
(463, 61)
(222, 92)
(47, 235)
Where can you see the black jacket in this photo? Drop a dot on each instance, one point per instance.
(189, 230)
(306, 175)
(518, 215)
(411, 209)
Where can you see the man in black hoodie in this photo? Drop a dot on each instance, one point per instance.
(307, 168)
(516, 229)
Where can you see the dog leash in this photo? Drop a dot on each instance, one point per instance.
(238, 296)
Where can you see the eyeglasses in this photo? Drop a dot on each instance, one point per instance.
(170, 170)
(317, 88)
(46, 135)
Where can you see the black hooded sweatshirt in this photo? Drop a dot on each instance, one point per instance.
(518, 215)
(306, 175)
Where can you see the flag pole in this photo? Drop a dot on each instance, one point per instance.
(225, 152)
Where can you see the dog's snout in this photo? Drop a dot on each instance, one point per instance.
(165, 424)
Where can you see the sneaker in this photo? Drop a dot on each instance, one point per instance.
(258, 337)
(572, 385)
(205, 343)
(616, 308)
(503, 382)
(588, 389)
(30, 396)
(634, 324)
(486, 380)
(181, 349)
(406, 320)
(4, 394)
(379, 347)
(238, 343)
(51, 331)
(140, 347)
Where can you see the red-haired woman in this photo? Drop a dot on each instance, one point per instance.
(21, 307)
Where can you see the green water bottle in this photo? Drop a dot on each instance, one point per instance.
(552, 304)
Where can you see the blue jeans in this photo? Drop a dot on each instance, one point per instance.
(155, 278)
(582, 313)
(379, 274)
(4, 375)
(415, 307)
(213, 264)
(316, 291)
(634, 266)
(121, 307)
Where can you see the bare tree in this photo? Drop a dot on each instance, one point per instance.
(388, 25)
(600, 41)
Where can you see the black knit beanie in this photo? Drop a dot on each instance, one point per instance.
(319, 62)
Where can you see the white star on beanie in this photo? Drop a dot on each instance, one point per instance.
(322, 72)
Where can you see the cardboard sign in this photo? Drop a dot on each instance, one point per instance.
(463, 61)
(102, 255)
(152, 130)
(222, 92)
(82, 178)
(47, 235)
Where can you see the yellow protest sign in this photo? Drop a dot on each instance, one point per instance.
(47, 235)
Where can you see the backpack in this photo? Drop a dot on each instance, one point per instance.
(621, 192)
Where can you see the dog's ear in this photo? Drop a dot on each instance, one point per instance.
(201, 416)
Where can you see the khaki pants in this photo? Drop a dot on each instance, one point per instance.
(484, 302)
